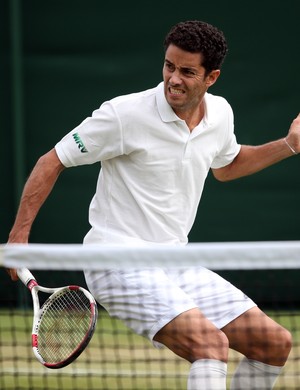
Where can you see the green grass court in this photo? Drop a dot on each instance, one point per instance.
(115, 359)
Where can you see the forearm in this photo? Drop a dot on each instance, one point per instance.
(252, 159)
(36, 191)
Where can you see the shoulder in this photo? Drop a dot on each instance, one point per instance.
(217, 101)
(131, 99)
(218, 109)
(133, 108)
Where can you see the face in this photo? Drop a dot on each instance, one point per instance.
(185, 82)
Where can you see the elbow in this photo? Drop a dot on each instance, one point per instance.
(223, 179)
(222, 175)
(51, 160)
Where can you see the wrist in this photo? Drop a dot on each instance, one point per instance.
(290, 147)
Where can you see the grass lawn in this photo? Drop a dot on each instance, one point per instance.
(115, 359)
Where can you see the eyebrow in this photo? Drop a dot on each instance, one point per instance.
(192, 68)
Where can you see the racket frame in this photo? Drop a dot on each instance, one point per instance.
(31, 283)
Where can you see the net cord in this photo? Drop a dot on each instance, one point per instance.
(222, 255)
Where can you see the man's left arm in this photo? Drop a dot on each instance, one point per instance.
(252, 159)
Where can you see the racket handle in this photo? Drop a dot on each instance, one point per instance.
(25, 275)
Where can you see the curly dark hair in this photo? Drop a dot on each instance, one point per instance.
(195, 36)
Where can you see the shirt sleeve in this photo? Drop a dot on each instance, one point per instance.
(97, 138)
(229, 147)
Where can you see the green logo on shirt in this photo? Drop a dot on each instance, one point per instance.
(79, 142)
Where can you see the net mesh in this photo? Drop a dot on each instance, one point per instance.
(117, 358)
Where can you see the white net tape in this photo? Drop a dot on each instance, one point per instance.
(226, 256)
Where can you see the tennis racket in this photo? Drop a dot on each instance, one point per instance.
(65, 323)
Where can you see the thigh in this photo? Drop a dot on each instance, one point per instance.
(192, 336)
(259, 337)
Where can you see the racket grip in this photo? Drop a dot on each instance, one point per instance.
(25, 275)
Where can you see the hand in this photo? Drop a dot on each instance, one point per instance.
(12, 273)
(293, 137)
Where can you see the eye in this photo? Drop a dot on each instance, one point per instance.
(188, 72)
(169, 66)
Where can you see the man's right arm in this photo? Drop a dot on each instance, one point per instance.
(36, 191)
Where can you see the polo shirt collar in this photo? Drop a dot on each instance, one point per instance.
(165, 111)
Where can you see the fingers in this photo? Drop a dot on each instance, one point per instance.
(293, 137)
(12, 273)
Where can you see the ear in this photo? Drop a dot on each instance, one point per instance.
(212, 77)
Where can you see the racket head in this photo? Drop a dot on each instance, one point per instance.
(64, 326)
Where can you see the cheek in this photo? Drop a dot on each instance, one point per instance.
(165, 75)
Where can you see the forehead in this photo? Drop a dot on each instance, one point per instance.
(182, 58)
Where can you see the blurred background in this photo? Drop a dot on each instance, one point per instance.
(61, 59)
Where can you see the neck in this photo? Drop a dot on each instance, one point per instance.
(194, 117)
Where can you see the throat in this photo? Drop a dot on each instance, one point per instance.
(193, 118)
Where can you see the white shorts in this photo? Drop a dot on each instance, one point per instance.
(146, 300)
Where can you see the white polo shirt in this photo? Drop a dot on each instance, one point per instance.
(153, 168)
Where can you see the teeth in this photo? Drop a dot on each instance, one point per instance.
(176, 91)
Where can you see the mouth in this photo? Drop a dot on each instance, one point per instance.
(176, 91)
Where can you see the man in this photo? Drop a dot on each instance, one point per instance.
(156, 148)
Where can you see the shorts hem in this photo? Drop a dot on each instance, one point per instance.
(234, 314)
(218, 323)
(164, 321)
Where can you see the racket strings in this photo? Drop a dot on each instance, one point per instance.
(65, 321)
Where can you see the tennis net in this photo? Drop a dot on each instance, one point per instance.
(116, 358)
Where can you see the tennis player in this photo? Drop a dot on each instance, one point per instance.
(156, 148)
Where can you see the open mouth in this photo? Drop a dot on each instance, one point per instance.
(176, 91)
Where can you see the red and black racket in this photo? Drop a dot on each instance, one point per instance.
(65, 323)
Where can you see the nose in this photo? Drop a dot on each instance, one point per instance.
(175, 77)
